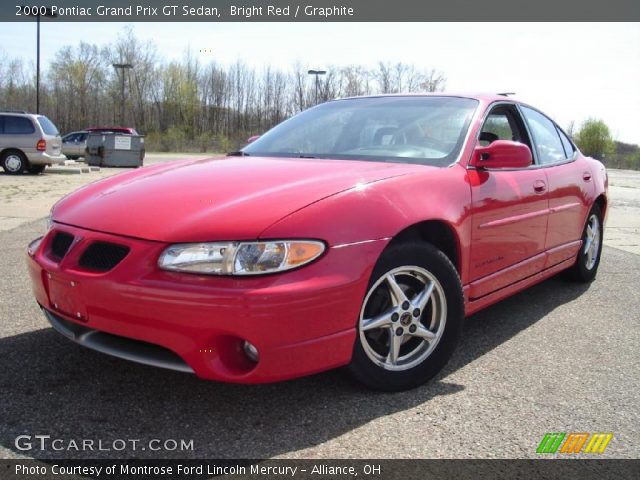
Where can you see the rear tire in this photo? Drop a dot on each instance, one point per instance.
(410, 319)
(13, 162)
(588, 259)
(36, 169)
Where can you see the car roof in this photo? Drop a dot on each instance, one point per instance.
(19, 113)
(486, 97)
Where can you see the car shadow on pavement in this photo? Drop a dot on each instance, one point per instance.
(50, 386)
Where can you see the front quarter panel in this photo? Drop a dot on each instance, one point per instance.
(381, 210)
(600, 180)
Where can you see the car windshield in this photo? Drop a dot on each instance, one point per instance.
(412, 129)
(47, 126)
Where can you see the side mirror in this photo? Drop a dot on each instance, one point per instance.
(252, 139)
(501, 154)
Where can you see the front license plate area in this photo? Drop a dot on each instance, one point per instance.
(66, 297)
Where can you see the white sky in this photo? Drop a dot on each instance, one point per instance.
(571, 71)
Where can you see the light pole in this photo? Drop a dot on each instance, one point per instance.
(48, 13)
(317, 73)
(122, 67)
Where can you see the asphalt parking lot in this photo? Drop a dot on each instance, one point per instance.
(559, 357)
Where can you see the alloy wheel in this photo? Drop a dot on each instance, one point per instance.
(592, 241)
(403, 318)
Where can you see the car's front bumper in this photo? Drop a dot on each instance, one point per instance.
(301, 322)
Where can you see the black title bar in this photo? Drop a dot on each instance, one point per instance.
(319, 10)
(327, 469)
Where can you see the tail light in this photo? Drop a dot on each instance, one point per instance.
(41, 146)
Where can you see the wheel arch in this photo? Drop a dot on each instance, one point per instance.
(439, 233)
(602, 202)
(12, 149)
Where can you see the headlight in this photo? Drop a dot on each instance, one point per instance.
(240, 258)
(49, 224)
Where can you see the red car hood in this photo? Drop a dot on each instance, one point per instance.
(233, 198)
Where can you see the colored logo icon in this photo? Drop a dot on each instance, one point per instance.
(574, 442)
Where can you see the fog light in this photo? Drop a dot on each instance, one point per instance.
(251, 351)
(33, 246)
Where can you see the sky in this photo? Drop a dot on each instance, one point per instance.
(571, 71)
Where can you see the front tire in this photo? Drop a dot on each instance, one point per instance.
(13, 162)
(410, 319)
(588, 259)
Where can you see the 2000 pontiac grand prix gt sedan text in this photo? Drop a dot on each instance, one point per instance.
(359, 232)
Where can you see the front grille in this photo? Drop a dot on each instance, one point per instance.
(102, 256)
(60, 244)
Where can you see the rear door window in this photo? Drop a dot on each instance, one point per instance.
(47, 126)
(566, 143)
(18, 125)
(545, 136)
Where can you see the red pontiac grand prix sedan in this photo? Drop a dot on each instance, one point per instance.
(359, 232)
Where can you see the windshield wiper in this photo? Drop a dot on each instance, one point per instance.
(306, 156)
(238, 153)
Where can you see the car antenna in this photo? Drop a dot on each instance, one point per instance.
(506, 94)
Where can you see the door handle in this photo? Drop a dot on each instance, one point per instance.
(539, 186)
(586, 176)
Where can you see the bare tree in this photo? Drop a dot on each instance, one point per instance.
(183, 104)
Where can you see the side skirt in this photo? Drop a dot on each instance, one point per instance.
(472, 306)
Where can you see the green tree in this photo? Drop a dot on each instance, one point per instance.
(594, 139)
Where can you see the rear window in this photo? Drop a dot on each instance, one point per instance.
(47, 126)
(17, 125)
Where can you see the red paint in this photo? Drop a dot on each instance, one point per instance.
(512, 228)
